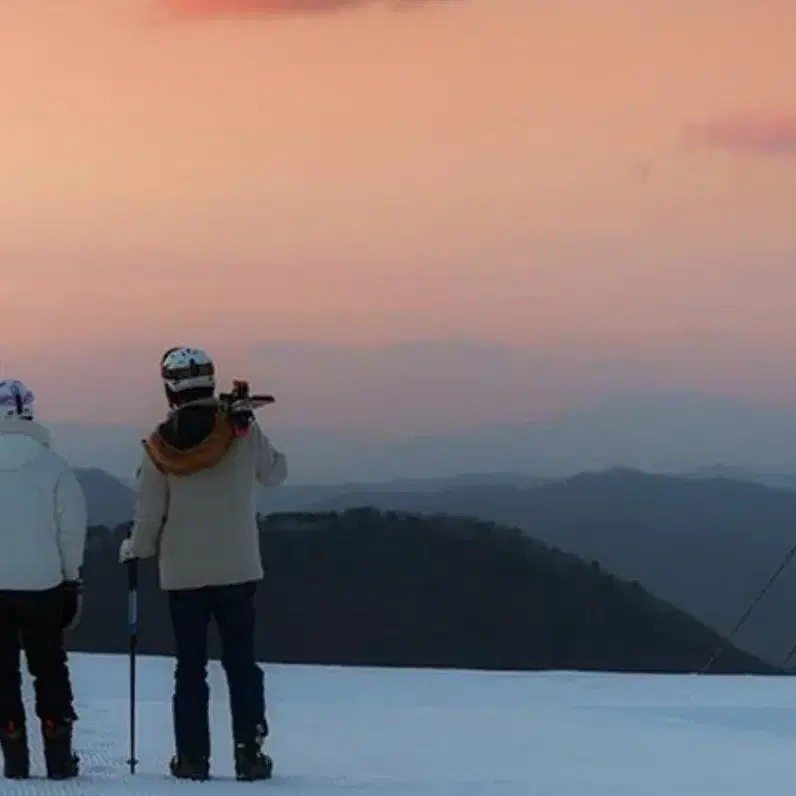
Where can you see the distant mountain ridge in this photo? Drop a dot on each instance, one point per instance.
(109, 501)
(111, 498)
(774, 480)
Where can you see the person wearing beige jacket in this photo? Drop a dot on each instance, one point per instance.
(196, 510)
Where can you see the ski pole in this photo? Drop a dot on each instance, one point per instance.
(740, 623)
(132, 633)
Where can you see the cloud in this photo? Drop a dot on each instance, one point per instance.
(189, 10)
(749, 133)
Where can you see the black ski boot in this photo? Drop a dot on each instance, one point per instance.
(59, 756)
(186, 767)
(251, 762)
(14, 743)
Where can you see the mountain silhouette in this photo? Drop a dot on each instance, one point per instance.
(386, 589)
(109, 501)
(707, 545)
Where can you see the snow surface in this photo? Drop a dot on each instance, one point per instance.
(347, 732)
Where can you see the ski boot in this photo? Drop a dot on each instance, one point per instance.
(60, 759)
(187, 767)
(251, 762)
(14, 743)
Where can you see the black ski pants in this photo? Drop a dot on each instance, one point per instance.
(33, 621)
(232, 607)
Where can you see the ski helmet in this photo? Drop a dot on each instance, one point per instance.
(184, 368)
(16, 400)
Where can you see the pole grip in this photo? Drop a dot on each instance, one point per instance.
(132, 574)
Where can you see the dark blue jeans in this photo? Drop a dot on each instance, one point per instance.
(232, 608)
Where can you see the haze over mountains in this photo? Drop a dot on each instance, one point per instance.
(654, 432)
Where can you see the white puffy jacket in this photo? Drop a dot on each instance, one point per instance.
(43, 520)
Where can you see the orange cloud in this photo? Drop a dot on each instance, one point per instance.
(754, 134)
(179, 10)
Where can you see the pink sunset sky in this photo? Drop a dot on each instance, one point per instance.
(499, 206)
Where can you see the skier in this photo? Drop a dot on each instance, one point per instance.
(196, 509)
(42, 540)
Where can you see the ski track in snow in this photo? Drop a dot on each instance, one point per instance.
(350, 732)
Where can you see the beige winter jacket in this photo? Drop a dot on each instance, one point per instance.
(196, 505)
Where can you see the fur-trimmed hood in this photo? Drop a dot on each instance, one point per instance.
(195, 437)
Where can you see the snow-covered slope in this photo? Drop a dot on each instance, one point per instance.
(351, 732)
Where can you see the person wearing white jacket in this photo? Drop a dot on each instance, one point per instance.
(196, 510)
(43, 526)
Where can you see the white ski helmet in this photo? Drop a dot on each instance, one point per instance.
(16, 400)
(184, 368)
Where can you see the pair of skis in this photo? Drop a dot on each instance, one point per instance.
(240, 405)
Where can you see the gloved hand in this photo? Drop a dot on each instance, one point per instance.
(72, 591)
(126, 551)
